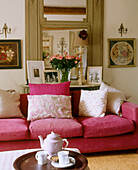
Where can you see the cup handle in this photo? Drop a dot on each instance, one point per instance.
(65, 140)
(36, 156)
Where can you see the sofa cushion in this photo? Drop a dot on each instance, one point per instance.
(46, 106)
(56, 89)
(109, 125)
(115, 98)
(9, 104)
(63, 127)
(93, 103)
(13, 129)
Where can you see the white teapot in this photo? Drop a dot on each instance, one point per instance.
(52, 143)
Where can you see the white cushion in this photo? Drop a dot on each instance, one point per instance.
(9, 104)
(115, 98)
(46, 106)
(93, 103)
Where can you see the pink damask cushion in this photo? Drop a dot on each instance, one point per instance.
(93, 103)
(45, 106)
(55, 89)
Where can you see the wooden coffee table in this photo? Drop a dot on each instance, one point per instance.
(28, 162)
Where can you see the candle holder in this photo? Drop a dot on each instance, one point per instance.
(5, 30)
(122, 30)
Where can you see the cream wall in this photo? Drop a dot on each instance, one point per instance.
(13, 14)
(115, 13)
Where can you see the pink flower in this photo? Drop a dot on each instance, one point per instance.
(124, 53)
(54, 56)
(69, 57)
(64, 61)
(59, 57)
(65, 53)
(77, 58)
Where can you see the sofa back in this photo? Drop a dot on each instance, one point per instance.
(75, 98)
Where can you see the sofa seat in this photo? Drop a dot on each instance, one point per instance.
(109, 125)
(13, 129)
(64, 127)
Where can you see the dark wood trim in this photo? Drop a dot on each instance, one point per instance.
(64, 10)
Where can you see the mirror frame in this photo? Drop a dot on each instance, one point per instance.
(34, 22)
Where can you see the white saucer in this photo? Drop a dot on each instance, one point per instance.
(57, 165)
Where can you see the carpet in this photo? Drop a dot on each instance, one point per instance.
(116, 160)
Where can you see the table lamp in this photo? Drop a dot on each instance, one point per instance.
(81, 40)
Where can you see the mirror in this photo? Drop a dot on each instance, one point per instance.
(59, 40)
(65, 10)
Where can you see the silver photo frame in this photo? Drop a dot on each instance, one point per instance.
(94, 75)
(51, 76)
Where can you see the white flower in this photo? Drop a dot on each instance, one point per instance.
(10, 53)
(2, 51)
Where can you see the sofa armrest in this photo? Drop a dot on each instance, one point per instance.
(130, 111)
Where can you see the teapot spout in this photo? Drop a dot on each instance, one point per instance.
(41, 141)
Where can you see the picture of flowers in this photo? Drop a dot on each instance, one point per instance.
(121, 52)
(10, 54)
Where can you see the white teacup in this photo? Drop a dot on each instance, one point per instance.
(63, 157)
(41, 157)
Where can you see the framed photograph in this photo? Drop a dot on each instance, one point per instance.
(51, 76)
(94, 75)
(10, 54)
(121, 52)
(34, 69)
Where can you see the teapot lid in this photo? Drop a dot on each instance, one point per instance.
(53, 135)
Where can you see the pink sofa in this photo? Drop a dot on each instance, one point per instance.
(88, 134)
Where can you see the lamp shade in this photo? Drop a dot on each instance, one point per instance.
(79, 41)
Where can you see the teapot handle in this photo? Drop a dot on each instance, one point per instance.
(65, 140)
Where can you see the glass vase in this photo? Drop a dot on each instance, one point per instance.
(65, 75)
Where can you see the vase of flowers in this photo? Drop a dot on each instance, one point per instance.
(64, 63)
(65, 75)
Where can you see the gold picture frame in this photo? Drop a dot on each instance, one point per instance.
(121, 52)
(51, 76)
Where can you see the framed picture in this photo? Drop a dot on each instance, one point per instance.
(34, 69)
(94, 75)
(10, 54)
(51, 76)
(121, 52)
